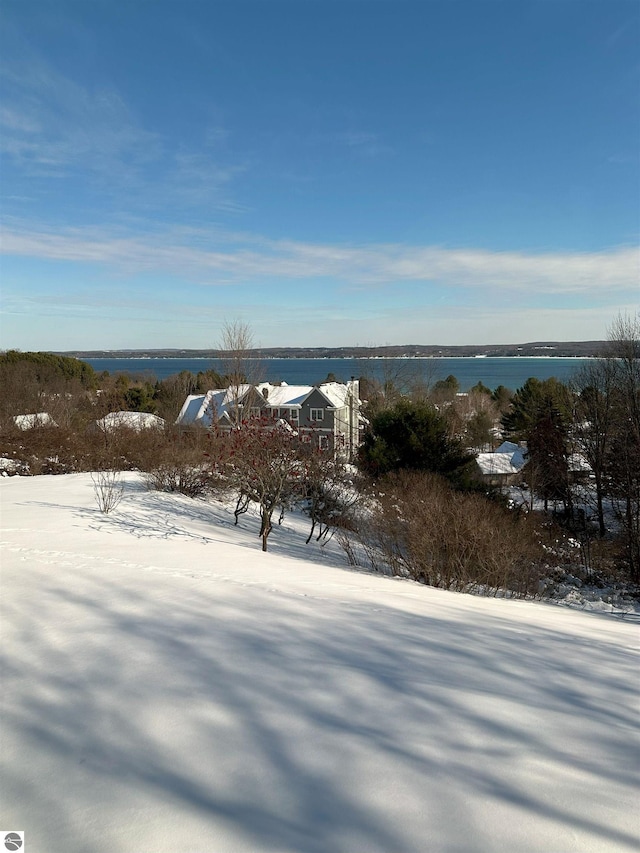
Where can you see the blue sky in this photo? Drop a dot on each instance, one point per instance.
(332, 173)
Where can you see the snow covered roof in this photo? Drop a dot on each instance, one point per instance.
(509, 458)
(199, 408)
(496, 463)
(35, 420)
(577, 463)
(336, 393)
(285, 395)
(130, 420)
(191, 410)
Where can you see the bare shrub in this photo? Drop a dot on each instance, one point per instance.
(193, 480)
(328, 493)
(346, 542)
(187, 461)
(460, 541)
(108, 489)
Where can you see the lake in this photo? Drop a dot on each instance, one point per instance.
(511, 372)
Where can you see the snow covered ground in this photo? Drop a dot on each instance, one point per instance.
(169, 687)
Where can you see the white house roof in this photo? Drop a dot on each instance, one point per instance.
(199, 408)
(336, 393)
(131, 420)
(281, 396)
(509, 458)
(34, 420)
(496, 463)
(191, 410)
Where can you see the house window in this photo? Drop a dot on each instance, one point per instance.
(294, 414)
(323, 442)
(254, 412)
(305, 438)
(284, 413)
(317, 414)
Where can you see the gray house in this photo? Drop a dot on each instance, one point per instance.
(327, 415)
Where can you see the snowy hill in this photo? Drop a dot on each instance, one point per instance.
(167, 686)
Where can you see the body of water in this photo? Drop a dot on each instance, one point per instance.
(510, 372)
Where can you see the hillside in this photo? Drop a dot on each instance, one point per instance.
(168, 687)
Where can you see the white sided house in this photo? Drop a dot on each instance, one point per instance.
(326, 414)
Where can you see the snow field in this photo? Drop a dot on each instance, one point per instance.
(167, 686)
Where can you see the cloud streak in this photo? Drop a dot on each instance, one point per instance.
(241, 258)
(54, 129)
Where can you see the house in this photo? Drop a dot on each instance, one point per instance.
(504, 466)
(326, 414)
(128, 420)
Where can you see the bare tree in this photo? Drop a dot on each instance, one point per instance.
(624, 451)
(624, 348)
(594, 424)
(392, 380)
(263, 466)
(239, 365)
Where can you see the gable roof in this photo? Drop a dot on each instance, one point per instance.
(496, 463)
(336, 393)
(509, 458)
(284, 396)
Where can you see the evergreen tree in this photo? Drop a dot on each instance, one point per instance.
(412, 435)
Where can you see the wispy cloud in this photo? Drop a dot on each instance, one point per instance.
(358, 141)
(220, 259)
(53, 128)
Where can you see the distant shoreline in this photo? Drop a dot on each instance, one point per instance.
(106, 355)
(569, 349)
